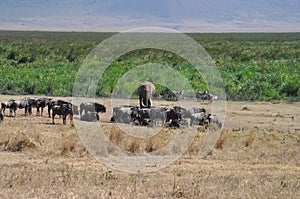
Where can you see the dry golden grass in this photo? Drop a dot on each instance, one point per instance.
(18, 142)
(136, 144)
(256, 156)
(250, 138)
(221, 140)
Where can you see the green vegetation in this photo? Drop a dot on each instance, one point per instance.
(254, 66)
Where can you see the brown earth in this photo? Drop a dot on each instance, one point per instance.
(256, 156)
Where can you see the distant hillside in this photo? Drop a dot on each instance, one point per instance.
(190, 15)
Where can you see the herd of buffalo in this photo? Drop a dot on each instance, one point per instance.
(89, 111)
(143, 115)
(174, 117)
(57, 107)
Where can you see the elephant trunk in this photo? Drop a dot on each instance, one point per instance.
(147, 100)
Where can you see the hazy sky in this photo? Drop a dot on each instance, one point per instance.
(121, 15)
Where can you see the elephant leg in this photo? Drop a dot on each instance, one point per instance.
(141, 102)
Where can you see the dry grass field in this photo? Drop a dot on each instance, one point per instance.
(256, 156)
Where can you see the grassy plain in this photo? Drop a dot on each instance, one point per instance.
(253, 66)
(256, 156)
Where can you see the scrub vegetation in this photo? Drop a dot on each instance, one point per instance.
(253, 66)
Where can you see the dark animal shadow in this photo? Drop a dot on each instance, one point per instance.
(9, 116)
(50, 123)
(88, 121)
(56, 124)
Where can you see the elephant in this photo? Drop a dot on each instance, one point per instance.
(146, 91)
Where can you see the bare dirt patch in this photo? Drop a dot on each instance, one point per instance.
(257, 156)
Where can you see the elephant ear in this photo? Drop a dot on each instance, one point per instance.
(152, 87)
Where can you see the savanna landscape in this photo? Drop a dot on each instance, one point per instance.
(255, 156)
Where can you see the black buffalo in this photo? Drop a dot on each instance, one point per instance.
(201, 95)
(174, 116)
(213, 119)
(91, 107)
(24, 104)
(158, 114)
(39, 104)
(205, 96)
(51, 104)
(131, 114)
(199, 118)
(11, 105)
(125, 114)
(177, 116)
(188, 112)
(140, 116)
(175, 95)
(64, 110)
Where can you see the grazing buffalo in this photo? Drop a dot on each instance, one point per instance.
(199, 119)
(213, 119)
(175, 96)
(174, 116)
(40, 103)
(11, 105)
(158, 114)
(63, 110)
(177, 116)
(188, 112)
(124, 114)
(141, 116)
(51, 104)
(24, 104)
(91, 107)
(131, 114)
(212, 97)
(203, 118)
(205, 96)
(201, 96)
